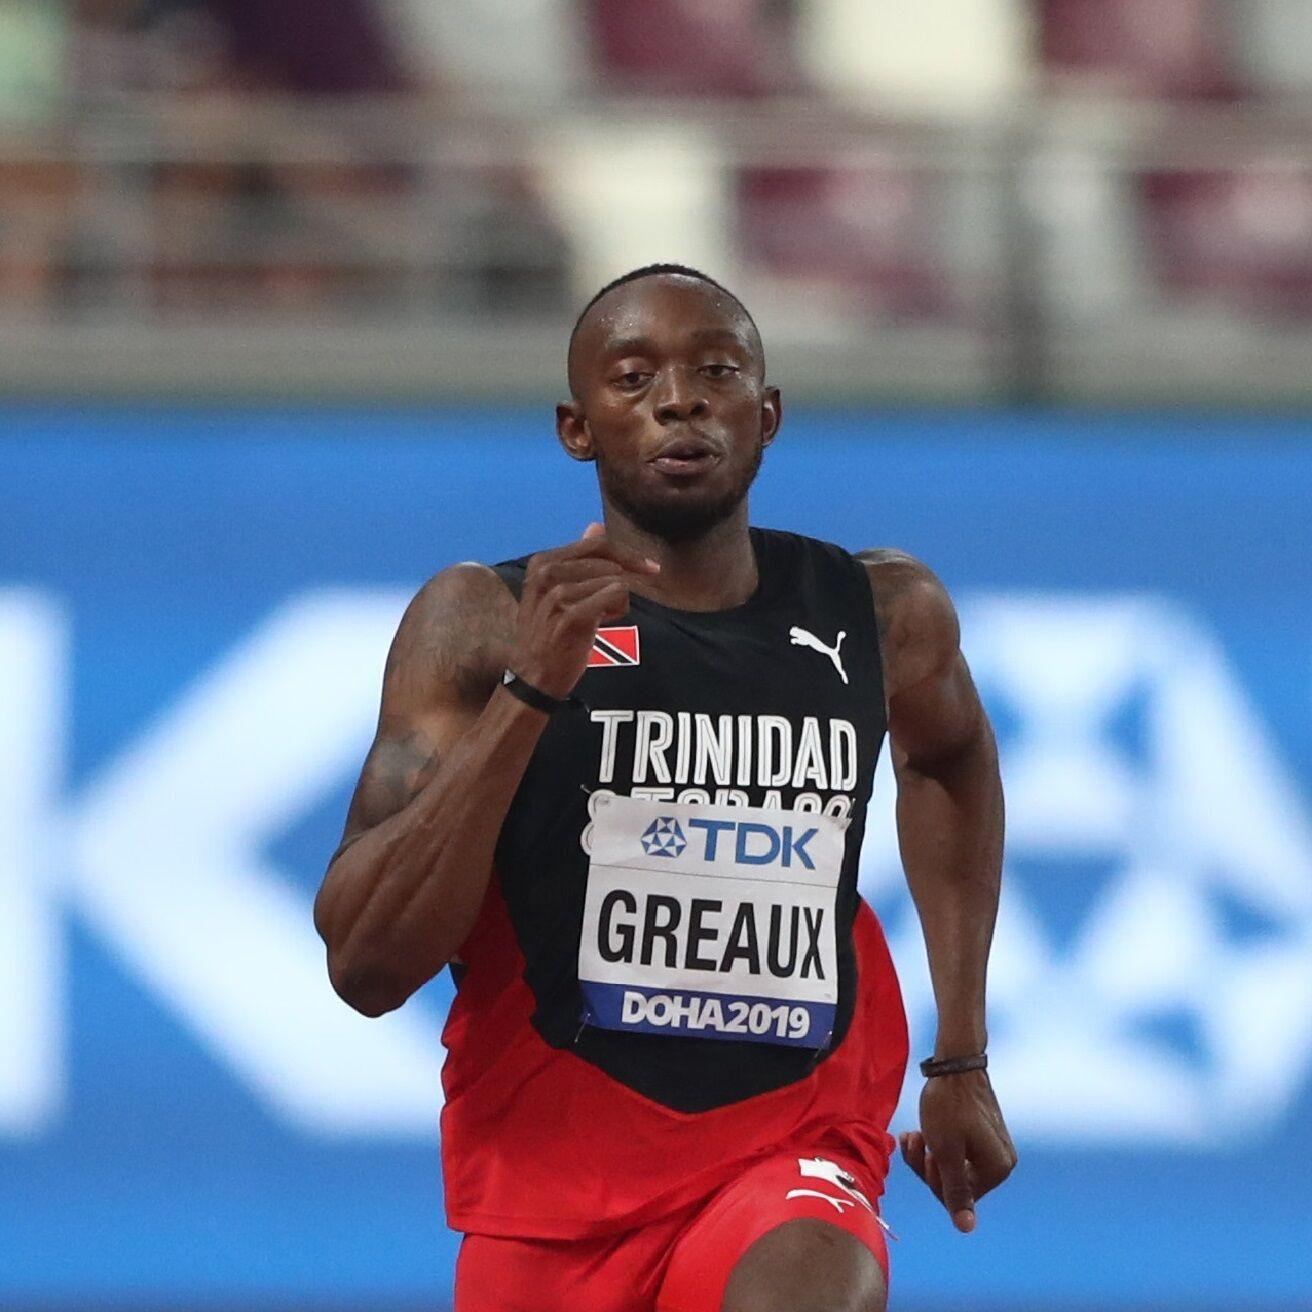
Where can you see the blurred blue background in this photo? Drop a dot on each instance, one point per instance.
(194, 609)
(273, 277)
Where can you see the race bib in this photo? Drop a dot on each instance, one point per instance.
(712, 921)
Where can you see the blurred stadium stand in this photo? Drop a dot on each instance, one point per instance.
(984, 203)
(1084, 200)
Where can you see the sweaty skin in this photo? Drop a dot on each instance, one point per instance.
(669, 400)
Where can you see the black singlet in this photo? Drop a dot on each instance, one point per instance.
(661, 719)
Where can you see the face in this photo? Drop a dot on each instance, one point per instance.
(670, 401)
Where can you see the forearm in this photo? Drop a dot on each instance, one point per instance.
(397, 903)
(950, 829)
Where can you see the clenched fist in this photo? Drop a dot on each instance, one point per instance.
(568, 592)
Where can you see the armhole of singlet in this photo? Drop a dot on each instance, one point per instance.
(511, 573)
(872, 611)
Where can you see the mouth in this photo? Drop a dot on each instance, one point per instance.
(686, 456)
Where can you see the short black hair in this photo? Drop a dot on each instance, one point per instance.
(655, 270)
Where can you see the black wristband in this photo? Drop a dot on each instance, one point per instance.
(929, 1068)
(531, 696)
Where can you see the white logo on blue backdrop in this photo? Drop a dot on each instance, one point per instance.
(1153, 969)
(1152, 975)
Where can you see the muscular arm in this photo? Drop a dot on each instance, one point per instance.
(404, 888)
(950, 827)
(949, 807)
(402, 891)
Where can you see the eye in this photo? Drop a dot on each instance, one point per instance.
(719, 370)
(631, 378)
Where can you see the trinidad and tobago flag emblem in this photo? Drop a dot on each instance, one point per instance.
(616, 646)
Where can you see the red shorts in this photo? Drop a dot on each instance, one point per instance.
(680, 1263)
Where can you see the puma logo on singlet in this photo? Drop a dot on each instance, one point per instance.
(802, 638)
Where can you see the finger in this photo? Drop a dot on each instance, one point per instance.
(553, 584)
(913, 1151)
(583, 598)
(594, 603)
(590, 567)
(932, 1177)
(991, 1167)
(611, 607)
(571, 571)
(601, 545)
(593, 530)
(956, 1192)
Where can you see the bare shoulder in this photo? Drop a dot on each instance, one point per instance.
(453, 639)
(918, 628)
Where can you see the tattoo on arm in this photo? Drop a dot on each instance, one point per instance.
(394, 773)
(443, 666)
(457, 647)
(397, 772)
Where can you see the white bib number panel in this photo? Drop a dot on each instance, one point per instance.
(714, 922)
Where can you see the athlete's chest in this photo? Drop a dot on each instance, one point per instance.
(750, 711)
(687, 832)
(802, 653)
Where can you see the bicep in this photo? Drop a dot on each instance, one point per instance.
(436, 682)
(934, 712)
(937, 718)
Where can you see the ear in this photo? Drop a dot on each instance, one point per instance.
(772, 415)
(573, 431)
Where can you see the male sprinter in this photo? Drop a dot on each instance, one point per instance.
(620, 788)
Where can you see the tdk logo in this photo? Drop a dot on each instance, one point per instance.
(746, 842)
(663, 837)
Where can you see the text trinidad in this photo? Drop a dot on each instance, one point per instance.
(731, 760)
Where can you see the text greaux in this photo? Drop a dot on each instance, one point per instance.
(711, 934)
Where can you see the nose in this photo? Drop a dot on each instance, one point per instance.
(679, 397)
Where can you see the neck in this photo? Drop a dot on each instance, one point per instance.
(714, 571)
